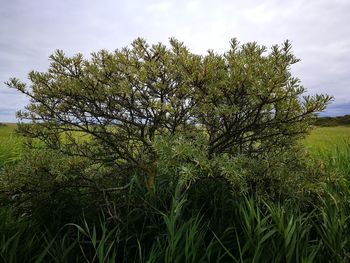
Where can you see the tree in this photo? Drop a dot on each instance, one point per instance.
(245, 102)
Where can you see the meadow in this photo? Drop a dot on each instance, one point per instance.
(10, 144)
(321, 141)
(247, 228)
(331, 145)
(327, 139)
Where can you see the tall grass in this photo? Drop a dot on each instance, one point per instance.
(262, 232)
(331, 146)
(11, 144)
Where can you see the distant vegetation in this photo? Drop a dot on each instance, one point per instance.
(333, 121)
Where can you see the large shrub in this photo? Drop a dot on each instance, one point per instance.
(113, 107)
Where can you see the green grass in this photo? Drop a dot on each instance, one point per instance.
(10, 144)
(320, 139)
(332, 146)
(326, 143)
(327, 139)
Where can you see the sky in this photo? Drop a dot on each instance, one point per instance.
(31, 30)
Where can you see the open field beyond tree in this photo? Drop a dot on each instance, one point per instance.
(321, 140)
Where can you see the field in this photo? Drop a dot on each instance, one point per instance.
(328, 139)
(332, 146)
(10, 144)
(321, 141)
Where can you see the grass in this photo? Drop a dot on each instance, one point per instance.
(332, 146)
(328, 139)
(320, 140)
(10, 144)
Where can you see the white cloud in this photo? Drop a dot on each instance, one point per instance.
(260, 14)
(162, 6)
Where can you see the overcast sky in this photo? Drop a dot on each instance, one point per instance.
(30, 30)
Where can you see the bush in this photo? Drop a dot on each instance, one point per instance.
(114, 107)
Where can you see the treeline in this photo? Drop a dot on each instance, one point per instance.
(333, 121)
